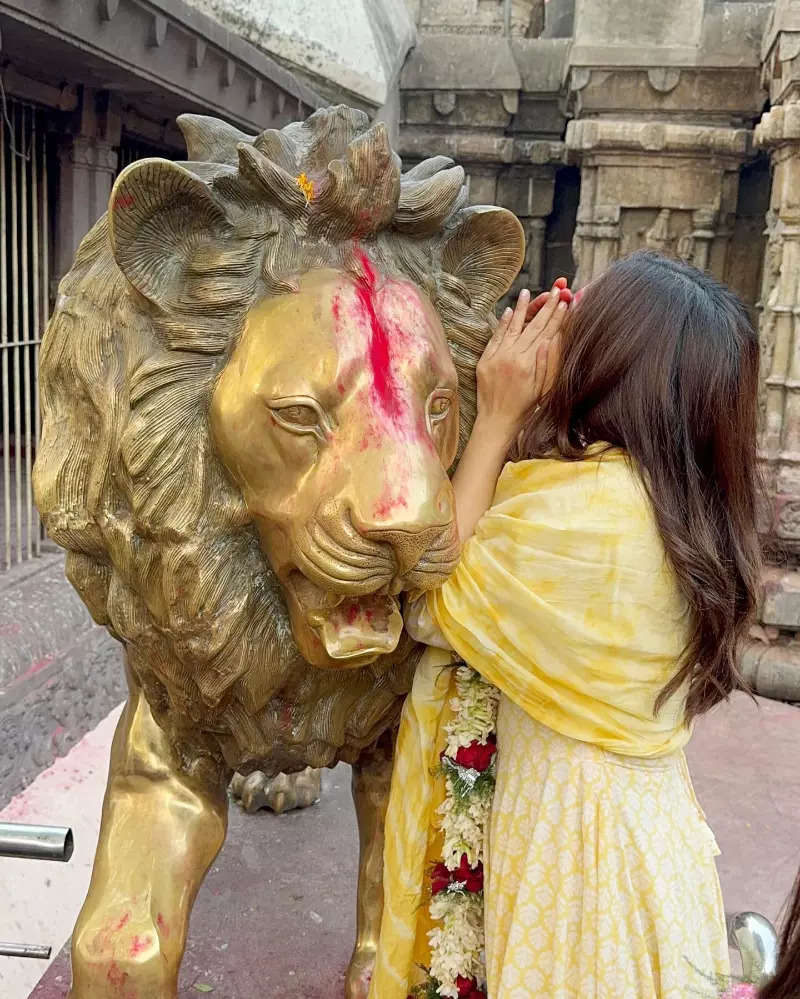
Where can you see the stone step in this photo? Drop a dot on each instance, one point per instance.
(40, 616)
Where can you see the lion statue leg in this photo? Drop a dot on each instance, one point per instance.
(159, 834)
(279, 794)
(372, 776)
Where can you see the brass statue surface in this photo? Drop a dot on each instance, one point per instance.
(256, 377)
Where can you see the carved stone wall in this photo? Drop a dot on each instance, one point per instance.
(669, 186)
(779, 134)
(652, 104)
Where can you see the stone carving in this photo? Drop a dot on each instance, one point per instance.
(256, 377)
(657, 237)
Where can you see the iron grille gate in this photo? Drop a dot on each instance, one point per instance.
(25, 152)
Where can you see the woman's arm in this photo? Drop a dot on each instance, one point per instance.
(515, 370)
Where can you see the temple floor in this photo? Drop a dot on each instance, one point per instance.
(275, 916)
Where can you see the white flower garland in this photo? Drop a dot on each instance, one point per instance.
(458, 961)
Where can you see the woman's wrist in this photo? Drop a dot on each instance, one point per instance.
(495, 431)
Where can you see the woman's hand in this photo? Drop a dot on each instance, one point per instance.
(519, 363)
(516, 369)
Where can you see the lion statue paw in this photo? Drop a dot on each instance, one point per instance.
(279, 794)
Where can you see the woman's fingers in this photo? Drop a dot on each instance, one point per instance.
(514, 326)
(556, 320)
(541, 321)
(499, 333)
(536, 304)
(517, 324)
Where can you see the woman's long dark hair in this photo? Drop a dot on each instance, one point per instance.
(660, 359)
(786, 983)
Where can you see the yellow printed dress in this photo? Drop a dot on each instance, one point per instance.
(600, 874)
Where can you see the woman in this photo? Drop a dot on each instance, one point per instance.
(608, 572)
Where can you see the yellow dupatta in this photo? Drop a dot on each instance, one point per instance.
(562, 599)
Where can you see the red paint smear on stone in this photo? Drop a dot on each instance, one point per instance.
(163, 928)
(37, 667)
(116, 976)
(387, 503)
(139, 945)
(378, 348)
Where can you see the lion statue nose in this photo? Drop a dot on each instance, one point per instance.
(414, 529)
(411, 545)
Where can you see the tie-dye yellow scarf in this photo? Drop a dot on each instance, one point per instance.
(564, 601)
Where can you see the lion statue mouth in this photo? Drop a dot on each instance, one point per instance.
(355, 630)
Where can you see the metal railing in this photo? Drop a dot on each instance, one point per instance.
(131, 149)
(33, 843)
(24, 308)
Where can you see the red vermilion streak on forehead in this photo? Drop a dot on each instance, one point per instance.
(378, 348)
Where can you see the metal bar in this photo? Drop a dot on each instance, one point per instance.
(15, 332)
(4, 379)
(36, 951)
(45, 274)
(31, 342)
(26, 113)
(36, 159)
(35, 842)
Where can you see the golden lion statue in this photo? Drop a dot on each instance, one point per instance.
(255, 379)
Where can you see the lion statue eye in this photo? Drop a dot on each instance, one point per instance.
(299, 417)
(439, 407)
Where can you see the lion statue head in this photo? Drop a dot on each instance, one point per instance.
(256, 377)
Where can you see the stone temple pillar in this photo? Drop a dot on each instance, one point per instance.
(87, 167)
(659, 131)
(779, 134)
(669, 186)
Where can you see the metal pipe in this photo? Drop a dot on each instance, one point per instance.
(16, 301)
(5, 379)
(35, 842)
(38, 952)
(755, 938)
(771, 670)
(26, 115)
(36, 329)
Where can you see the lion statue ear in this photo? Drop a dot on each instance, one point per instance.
(158, 214)
(209, 140)
(485, 253)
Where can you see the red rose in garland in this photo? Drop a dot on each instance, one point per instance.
(471, 876)
(440, 878)
(468, 988)
(477, 755)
